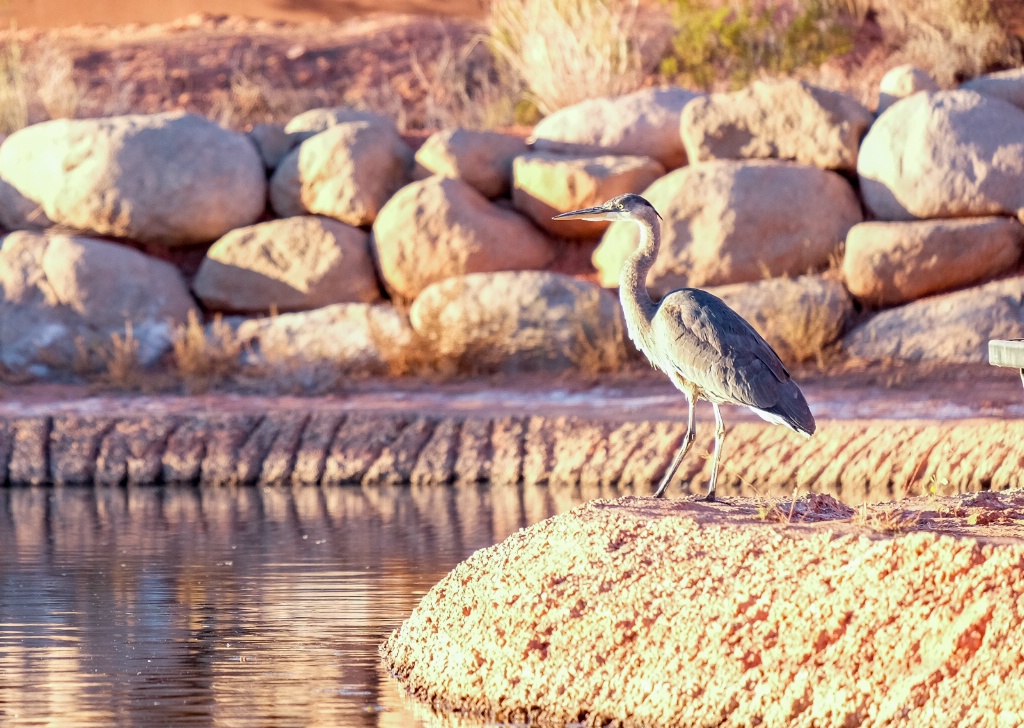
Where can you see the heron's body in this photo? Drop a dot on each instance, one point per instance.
(708, 350)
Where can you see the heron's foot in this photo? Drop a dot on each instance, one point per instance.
(709, 498)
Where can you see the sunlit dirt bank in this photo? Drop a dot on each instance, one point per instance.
(642, 612)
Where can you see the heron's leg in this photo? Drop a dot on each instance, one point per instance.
(719, 439)
(691, 430)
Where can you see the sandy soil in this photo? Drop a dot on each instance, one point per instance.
(646, 612)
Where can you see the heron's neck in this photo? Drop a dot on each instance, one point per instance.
(637, 305)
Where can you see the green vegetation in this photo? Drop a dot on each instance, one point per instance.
(738, 41)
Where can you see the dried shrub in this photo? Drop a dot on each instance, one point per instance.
(13, 89)
(205, 356)
(565, 51)
(885, 520)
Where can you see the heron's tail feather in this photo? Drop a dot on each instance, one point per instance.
(792, 410)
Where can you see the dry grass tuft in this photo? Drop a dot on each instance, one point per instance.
(889, 519)
(114, 363)
(205, 356)
(13, 89)
(591, 350)
(953, 39)
(565, 51)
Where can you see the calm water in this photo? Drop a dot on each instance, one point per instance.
(228, 607)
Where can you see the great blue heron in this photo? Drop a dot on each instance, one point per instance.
(708, 350)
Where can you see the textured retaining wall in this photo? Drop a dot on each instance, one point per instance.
(860, 459)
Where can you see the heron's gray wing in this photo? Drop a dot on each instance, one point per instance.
(714, 347)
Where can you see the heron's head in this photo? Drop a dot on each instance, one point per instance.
(623, 207)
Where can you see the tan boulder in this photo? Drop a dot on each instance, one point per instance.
(799, 317)
(545, 184)
(888, 263)
(521, 321)
(57, 289)
(1005, 85)
(481, 159)
(345, 338)
(170, 179)
(947, 154)
(292, 264)
(347, 172)
(441, 227)
(644, 123)
(903, 81)
(954, 327)
(730, 222)
(785, 119)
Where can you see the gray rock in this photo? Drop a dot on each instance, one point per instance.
(954, 327)
(644, 123)
(785, 119)
(273, 143)
(734, 222)
(481, 159)
(314, 121)
(947, 154)
(167, 178)
(889, 263)
(292, 264)
(347, 172)
(57, 289)
(521, 321)
(441, 227)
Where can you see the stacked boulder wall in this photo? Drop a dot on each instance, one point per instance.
(669, 612)
(170, 179)
(889, 263)
(292, 264)
(785, 119)
(947, 154)
(1006, 85)
(644, 123)
(732, 222)
(441, 227)
(64, 296)
(348, 172)
(521, 321)
(952, 328)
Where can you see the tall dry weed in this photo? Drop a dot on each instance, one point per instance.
(565, 51)
(953, 39)
(205, 356)
(13, 88)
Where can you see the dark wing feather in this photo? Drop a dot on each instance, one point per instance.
(715, 348)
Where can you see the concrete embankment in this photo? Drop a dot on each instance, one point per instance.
(309, 442)
(644, 612)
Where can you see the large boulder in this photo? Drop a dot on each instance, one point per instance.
(731, 222)
(292, 264)
(903, 81)
(344, 338)
(800, 317)
(171, 179)
(785, 119)
(888, 263)
(66, 296)
(347, 172)
(1005, 85)
(644, 123)
(546, 184)
(521, 321)
(441, 227)
(947, 154)
(481, 159)
(954, 327)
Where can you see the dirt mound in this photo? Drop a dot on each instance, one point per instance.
(646, 612)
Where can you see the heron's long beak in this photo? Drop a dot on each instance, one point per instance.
(587, 213)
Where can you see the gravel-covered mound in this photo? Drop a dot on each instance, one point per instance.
(676, 613)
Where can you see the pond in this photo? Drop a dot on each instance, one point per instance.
(229, 606)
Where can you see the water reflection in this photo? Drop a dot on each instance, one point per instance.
(222, 607)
